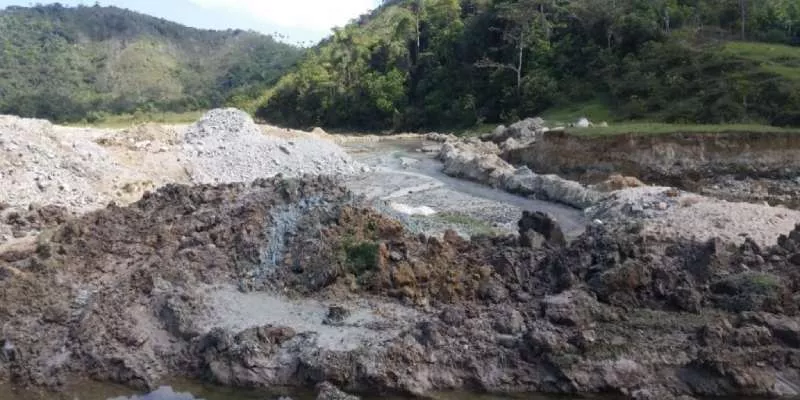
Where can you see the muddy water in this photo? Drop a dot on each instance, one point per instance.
(386, 157)
(196, 391)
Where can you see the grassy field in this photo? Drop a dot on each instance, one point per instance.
(646, 128)
(595, 110)
(126, 120)
(778, 59)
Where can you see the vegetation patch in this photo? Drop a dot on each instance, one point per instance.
(750, 291)
(780, 59)
(653, 128)
(466, 223)
(71, 64)
(360, 257)
(596, 110)
(448, 64)
(105, 120)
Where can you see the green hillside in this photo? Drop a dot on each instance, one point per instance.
(69, 64)
(426, 64)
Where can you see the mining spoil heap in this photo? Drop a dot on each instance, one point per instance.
(293, 280)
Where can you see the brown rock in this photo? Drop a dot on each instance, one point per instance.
(618, 182)
(542, 224)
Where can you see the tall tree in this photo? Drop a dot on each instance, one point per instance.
(743, 12)
(518, 18)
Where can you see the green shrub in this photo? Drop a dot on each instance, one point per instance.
(360, 257)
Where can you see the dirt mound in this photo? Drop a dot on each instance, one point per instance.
(68, 167)
(133, 294)
(18, 223)
(668, 212)
(39, 166)
(227, 146)
(111, 284)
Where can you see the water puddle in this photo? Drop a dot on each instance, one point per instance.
(173, 391)
(199, 391)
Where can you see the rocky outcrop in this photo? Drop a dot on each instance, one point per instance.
(524, 131)
(552, 188)
(481, 163)
(475, 161)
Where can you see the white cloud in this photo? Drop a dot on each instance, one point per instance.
(311, 15)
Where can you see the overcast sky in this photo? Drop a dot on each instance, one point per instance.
(300, 20)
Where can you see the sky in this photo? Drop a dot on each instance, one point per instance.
(304, 21)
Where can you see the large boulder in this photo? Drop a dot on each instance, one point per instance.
(525, 130)
(475, 163)
(542, 224)
(583, 123)
(553, 188)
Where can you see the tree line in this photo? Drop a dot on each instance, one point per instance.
(415, 64)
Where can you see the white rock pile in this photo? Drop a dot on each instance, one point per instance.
(227, 146)
(39, 166)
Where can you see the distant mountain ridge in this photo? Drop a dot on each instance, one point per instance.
(72, 63)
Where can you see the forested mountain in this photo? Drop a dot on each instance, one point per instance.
(415, 64)
(65, 63)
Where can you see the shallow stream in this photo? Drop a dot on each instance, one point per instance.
(417, 179)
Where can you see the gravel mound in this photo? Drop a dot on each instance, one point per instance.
(670, 213)
(227, 146)
(39, 166)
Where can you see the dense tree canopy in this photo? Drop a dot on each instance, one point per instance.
(67, 64)
(415, 64)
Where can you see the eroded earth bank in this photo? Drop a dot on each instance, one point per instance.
(298, 281)
(736, 166)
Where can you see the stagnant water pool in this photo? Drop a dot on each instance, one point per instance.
(196, 391)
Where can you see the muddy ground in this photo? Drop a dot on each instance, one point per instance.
(359, 281)
(294, 282)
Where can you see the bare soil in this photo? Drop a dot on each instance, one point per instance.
(300, 281)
